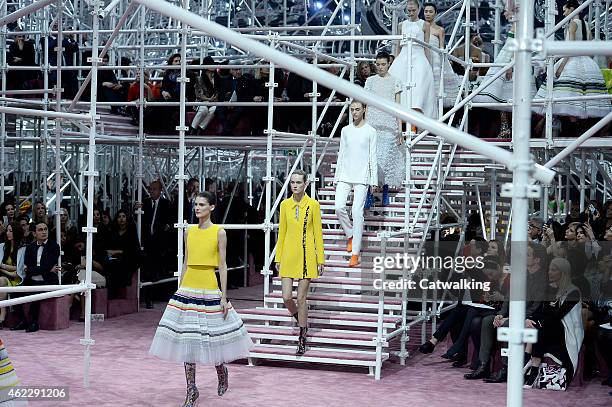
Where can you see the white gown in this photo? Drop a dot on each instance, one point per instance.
(452, 82)
(391, 157)
(422, 75)
(580, 77)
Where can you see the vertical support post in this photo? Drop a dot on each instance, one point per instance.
(43, 135)
(493, 231)
(497, 41)
(58, 132)
(582, 179)
(520, 139)
(593, 181)
(91, 174)
(184, 31)
(544, 201)
(313, 158)
(139, 156)
(3, 68)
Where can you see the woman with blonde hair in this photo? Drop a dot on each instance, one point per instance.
(299, 250)
(559, 323)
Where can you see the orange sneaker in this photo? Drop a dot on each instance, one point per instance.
(354, 260)
(349, 245)
(414, 129)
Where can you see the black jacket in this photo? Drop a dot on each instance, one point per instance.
(50, 255)
(163, 219)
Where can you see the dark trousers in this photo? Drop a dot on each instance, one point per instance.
(604, 344)
(488, 337)
(451, 322)
(471, 327)
(32, 316)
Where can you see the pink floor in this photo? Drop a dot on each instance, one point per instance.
(123, 374)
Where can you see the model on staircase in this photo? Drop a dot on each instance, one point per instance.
(412, 65)
(199, 324)
(356, 169)
(299, 250)
(391, 154)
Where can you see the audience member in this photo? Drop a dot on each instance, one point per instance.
(41, 268)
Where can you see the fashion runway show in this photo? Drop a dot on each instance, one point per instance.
(305, 203)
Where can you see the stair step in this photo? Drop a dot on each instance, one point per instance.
(320, 355)
(347, 300)
(320, 316)
(315, 335)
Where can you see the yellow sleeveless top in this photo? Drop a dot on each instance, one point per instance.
(202, 258)
(203, 246)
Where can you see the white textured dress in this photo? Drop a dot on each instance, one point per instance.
(416, 64)
(452, 82)
(391, 157)
(580, 77)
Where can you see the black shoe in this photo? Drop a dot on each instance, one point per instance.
(474, 365)
(32, 328)
(481, 372)
(501, 376)
(21, 325)
(530, 377)
(447, 356)
(460, 360)
(427, 347)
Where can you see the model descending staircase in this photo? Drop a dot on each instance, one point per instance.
(351, 322)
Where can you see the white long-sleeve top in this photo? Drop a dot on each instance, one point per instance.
(357, 162)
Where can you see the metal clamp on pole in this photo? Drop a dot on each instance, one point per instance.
(530, 191)
(517, 336)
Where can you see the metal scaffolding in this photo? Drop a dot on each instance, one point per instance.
(197, 29)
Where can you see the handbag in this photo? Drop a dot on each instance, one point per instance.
(552, 377)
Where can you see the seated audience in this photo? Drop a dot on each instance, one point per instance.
(123, 254)
(40, 260)
(559, 323)
(12, 267)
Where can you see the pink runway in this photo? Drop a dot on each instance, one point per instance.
(123, 374)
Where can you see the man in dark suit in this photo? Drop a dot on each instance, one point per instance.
(41, 265)
(156, 229)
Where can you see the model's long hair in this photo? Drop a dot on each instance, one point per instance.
(574, 4)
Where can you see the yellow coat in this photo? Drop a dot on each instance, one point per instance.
(299, 249)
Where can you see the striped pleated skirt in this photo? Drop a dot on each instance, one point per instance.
(193, 329)
(580, 78)
(8, 380)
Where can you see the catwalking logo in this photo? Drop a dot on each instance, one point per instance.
(412, 263)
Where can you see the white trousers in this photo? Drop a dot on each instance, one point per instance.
(354, 229)
(203, 117)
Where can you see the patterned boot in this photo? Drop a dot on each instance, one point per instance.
(192, 390)
(223, 379)
(301, 348)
